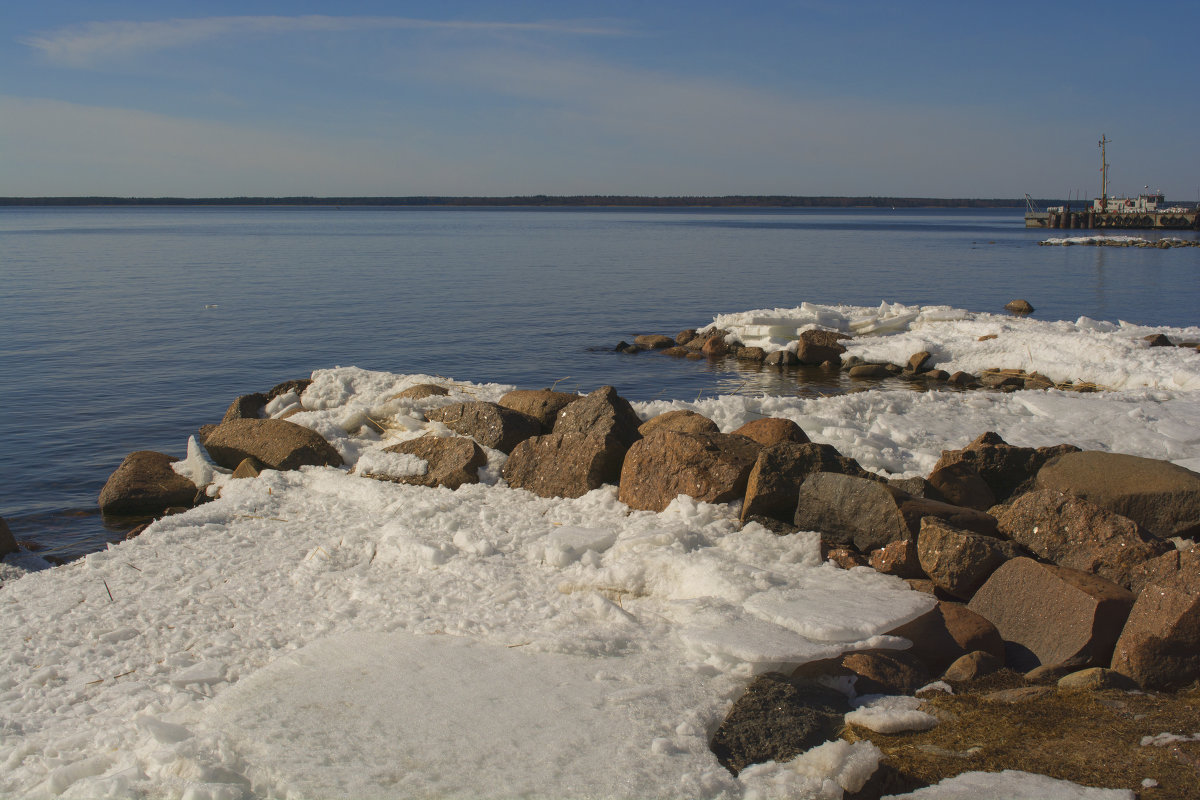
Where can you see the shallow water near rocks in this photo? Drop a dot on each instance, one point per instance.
(126, 328)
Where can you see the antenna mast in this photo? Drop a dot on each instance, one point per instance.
(1103, 174)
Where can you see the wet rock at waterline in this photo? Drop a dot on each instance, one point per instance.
(145, 484)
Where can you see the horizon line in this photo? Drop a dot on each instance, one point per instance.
(678, 200)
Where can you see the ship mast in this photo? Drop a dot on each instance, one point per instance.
(1103, 174)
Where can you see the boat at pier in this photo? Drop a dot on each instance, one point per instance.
(1147, 211)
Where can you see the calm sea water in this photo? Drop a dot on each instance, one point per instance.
(126, 328)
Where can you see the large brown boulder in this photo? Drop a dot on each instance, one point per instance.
(715, 346)
(490, 424)
(541, 404)
(811, 354)
(916, 509)
(961, 484)
(772, 430)
(8, 543)
(1165, 567)
(1074, 533)
(248, 406)
(846, 509)
(824, 338)
(680, 420)
(773, 486)
(898, 558)
(564, 464)
(600, 413)
(1162, 497)
(781, 358)
(958, 561)
(145, 484)
(712, 467)
(1160, 644)
(277, 443)
(1049, 614)
(886, 672)
(297, 385)
(452, 461)
(653, 341)
(817, 346)
(420, 391)
(1004, 467)
(777, 720)
(946, 633)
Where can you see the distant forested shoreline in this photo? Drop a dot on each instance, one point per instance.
(599, 201)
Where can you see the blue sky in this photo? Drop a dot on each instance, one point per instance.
(954, 99)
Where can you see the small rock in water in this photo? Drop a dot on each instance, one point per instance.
(1019, 307)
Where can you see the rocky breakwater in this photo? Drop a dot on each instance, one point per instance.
(1048, 565)
(827, 351)
(146, 484)
(1122, 241)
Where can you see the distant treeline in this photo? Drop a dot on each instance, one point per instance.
(729, 201)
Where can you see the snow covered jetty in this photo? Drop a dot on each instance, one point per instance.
(402, 585)
(935, 345)
(1122, 241)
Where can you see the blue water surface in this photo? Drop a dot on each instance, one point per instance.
(125, 329)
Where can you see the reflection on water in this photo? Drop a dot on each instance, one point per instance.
(63, 535)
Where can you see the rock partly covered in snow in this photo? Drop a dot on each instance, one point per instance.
(145, 484)
(277, 443)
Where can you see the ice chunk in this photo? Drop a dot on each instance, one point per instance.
(1011, 785)
(567, 544)
(62, 777)
(206, 672)
(198, 467)
(825, 772)
(391, 465)
(890, 714)
(163, 732)
(839, 606)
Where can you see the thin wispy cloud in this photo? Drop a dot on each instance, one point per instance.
(94, 42)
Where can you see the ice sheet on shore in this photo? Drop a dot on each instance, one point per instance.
(317, 633)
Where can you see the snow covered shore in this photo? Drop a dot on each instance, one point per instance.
(319, 634)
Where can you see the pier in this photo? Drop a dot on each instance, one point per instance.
(1090, 219)
(1147, 212)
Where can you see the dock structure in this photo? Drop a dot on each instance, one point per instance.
(1148, 211)
(1089, 219)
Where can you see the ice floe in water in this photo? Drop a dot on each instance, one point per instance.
(317, 633)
